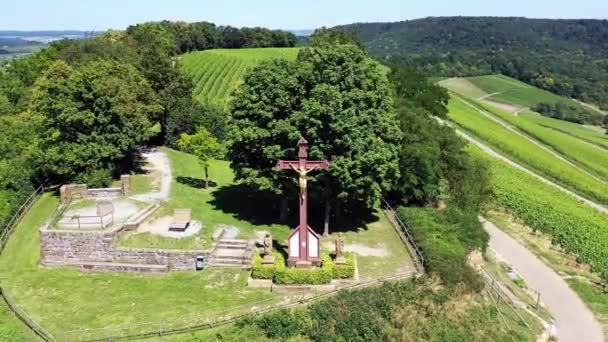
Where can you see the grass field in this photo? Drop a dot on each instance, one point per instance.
(585, 133)
(590, 157)
(522, 150)
(11, 329)
(63, 299)
(515, 92)
(216, 73)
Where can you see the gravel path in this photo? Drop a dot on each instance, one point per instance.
(495, 154)
(158, 161)
(574, 321)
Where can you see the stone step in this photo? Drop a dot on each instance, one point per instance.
(122, 267)
(230, 246)
(232, 242)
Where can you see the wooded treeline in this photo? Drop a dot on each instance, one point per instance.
(566, 57)
(78, 110)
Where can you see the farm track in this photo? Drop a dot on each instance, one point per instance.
(486, 149)
(574, 321)
(531, 139)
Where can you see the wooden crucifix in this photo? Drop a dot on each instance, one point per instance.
(303, 241)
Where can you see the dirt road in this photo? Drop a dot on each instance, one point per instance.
(574, 321)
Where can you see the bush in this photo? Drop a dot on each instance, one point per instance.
(345, 271)
(280, 274)
(99, 178)
(299, 276)
(265, 271)
(446, 239)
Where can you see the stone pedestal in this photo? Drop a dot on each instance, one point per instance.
(340, 260)
(125, 181)
(303, 264)
(268, 260)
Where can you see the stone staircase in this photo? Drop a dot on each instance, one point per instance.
(231, 253)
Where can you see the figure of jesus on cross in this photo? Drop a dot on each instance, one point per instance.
(303, 241)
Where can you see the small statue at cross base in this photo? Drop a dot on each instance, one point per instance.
(268, 257)
(340, 260)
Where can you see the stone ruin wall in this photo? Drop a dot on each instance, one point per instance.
(70, 191)
(73, 248)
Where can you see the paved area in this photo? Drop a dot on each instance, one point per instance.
(574, 321)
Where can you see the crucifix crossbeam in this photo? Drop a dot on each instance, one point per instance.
(303, 241)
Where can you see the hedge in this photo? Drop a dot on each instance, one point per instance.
(281, 274)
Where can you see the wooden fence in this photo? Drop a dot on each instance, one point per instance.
(405, 235)
(4, 236)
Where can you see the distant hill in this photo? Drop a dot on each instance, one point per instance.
(567, 57)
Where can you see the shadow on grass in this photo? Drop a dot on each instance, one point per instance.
(261, 208)
(247, 205)
(196, 183)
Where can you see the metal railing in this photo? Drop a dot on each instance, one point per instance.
(405, 235)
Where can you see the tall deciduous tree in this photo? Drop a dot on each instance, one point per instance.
(340, 101)
(91, 117)
(204, 146)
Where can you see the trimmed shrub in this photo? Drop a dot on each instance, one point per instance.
(280, 274)
(299, 276)
(265, 271)
(345, 271)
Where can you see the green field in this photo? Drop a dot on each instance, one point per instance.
(522, 150)
(582, 132)
(216, 73)
(576, 227)
(590, 157)
(515, 92)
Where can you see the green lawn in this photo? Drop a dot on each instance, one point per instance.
(223, 204)
(523, 151)
(63, 299)
(227, 204)
(11, 329)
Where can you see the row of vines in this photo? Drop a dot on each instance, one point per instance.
(591, 157)
(578, 229)
(215, 73)
(523, 151)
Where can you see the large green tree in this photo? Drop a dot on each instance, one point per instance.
(340, 101)
(91, 116)
(431, 154)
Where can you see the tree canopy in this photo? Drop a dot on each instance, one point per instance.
(340, 101)
(91, 116)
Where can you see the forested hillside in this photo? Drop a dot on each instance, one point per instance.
(567, 57)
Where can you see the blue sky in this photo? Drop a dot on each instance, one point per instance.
(286, 14)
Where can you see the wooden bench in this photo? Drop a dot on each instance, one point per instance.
(181, 219)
